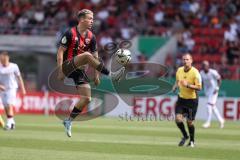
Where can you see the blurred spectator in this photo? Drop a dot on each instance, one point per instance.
(177, 24)
(194, 6)
(204, 25)
(186, 43)
(233, 52)
(103, 14)
(22, 22)
(230, 34)
(159, 17)
(214, 6)
(105, 39)
(224, 71)
(126, 32)
(39, 15)
(189, 43)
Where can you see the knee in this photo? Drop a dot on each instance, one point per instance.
(87, 55)
(86, 100)
(178, 119)
(190, 123)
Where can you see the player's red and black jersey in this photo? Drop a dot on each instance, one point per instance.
(75, 43)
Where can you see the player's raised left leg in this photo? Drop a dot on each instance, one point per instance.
(87, 58)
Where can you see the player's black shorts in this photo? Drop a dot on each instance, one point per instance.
(187, 107)
(79, 76)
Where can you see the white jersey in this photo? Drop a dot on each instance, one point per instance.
(210, 81)
(8, 76)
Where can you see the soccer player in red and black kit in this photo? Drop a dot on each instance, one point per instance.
(78, 48)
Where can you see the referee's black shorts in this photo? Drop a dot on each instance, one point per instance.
(187, 107)
(79, 76)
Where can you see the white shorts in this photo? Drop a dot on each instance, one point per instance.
(9, 97)
(212, 98)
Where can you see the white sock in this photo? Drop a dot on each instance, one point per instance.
(10, 121)
(209, 107)
(216, 112)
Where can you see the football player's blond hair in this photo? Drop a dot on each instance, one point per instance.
(187, 54)
(82, 13)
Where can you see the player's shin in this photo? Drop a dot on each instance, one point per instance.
(182, 129)
(191, 130)
(216, 112)
(75, 112)
(101, 68)
(209, 107)
(10, 115)
(79, 107)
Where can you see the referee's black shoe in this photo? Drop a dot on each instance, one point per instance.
(182, 142)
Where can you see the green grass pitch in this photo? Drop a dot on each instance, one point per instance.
(43, 138)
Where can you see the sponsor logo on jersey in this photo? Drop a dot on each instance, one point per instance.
(87, 40)
(64, 40)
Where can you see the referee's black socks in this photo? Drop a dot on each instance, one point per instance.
(191, 130)
(182, 129)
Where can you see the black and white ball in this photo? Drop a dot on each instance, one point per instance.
(123, 56)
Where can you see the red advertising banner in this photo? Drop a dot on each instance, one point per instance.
(39, 102)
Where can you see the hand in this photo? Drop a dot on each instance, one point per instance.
(216, 90)
(23, 91)
(2, 88)
(96, 81)
(184, 83)
(174, 89)
(60, 76)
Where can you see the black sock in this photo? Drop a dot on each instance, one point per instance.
(182, 129)
(191, 130)
(75, 112)
(101, 68)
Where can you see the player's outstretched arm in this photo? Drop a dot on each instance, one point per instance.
(175, 86)
(96, 73)
(219, 81)
(2, 88)
(21, 84)
(60, 53)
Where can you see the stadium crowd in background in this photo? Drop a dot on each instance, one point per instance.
(207, 28)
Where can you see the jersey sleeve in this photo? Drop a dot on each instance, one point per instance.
(216, 75)
(66, 39)
(16, 70)
(93, 45)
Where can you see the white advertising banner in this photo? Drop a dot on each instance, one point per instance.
(163, 106)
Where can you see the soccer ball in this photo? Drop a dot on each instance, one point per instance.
(123, 56)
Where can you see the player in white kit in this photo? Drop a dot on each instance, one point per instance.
(211, 82)
(9, 78)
